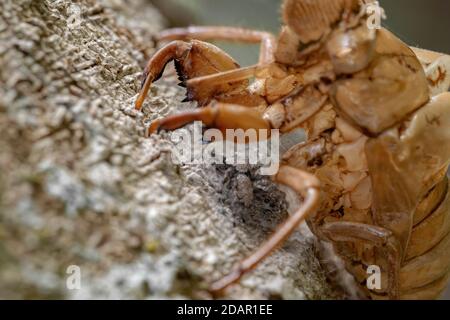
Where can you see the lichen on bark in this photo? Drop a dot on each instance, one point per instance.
(80, 185)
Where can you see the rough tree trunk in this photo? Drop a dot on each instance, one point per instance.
(80, 185)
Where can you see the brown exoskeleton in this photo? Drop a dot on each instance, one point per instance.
(372, 173)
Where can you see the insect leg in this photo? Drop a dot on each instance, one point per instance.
(356, 232)
(308, 187)
(267, 40)
(229, 76)
(218, 115)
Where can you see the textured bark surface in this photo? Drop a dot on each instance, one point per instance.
(80, 185)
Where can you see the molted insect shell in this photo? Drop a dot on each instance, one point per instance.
(311, 19)
(382, 94)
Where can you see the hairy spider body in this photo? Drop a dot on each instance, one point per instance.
(372, 173)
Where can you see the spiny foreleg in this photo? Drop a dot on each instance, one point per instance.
(192, 60)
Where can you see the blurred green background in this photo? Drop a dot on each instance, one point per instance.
(422, 23)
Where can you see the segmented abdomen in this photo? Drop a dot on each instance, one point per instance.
(426, 269)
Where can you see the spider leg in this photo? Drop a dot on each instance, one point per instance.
(266, 39)
(192, 59)
(308, 187)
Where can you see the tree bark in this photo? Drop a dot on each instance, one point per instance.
(80, 185)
